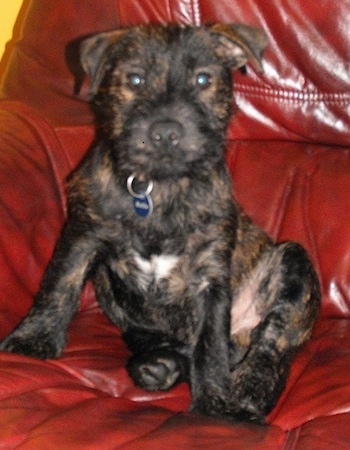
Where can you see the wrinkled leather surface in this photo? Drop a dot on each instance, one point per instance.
(289, 155)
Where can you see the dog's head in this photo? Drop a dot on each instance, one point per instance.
(163, 95)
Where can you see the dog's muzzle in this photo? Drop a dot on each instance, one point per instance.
(166, 134)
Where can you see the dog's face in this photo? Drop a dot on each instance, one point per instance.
(163, 95)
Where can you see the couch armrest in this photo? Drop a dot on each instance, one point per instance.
(33, 167)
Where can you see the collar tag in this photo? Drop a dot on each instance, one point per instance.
(143, 206)
(142, 201)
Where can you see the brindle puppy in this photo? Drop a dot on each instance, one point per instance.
(200, 293)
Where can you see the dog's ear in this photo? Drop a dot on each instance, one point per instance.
(237, 44)
(94, 55)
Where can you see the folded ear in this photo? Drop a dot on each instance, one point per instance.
(237, 44)
(94, 56)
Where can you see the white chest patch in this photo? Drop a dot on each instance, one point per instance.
(155, 268)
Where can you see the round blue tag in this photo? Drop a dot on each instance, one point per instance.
(143, 205)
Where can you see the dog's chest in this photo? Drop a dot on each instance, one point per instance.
(153, 269)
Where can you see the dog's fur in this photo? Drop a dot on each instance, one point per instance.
(200, 292)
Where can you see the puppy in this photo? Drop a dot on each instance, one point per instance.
(201, 293)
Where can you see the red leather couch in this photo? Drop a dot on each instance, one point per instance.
(289, 155)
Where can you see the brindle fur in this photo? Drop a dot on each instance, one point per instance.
(200, 292)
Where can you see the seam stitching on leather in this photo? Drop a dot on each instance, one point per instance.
(306, 190)
(196, 12)
(341, 98)
(281, 205)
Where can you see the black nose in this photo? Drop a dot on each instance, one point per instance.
(166, 133)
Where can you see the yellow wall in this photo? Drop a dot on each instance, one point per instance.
(8, 12)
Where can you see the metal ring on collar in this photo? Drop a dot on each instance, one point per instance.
(131, 191)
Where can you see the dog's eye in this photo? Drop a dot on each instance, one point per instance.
(135, 80)
(203, 80)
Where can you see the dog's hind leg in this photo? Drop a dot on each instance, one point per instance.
(42, 333)
(281, 301)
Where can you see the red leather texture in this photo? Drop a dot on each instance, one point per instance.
(289, 155)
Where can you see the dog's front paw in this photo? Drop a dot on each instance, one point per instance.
(209, 405)
(233, 403)
(157, 371)
(255, 392)
(41, 346)
(228, 409)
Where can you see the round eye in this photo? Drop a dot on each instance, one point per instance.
(135, 80)
(203, 80)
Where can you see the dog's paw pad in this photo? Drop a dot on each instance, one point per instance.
(158, 374)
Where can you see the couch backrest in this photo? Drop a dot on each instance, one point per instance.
(303, 95)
